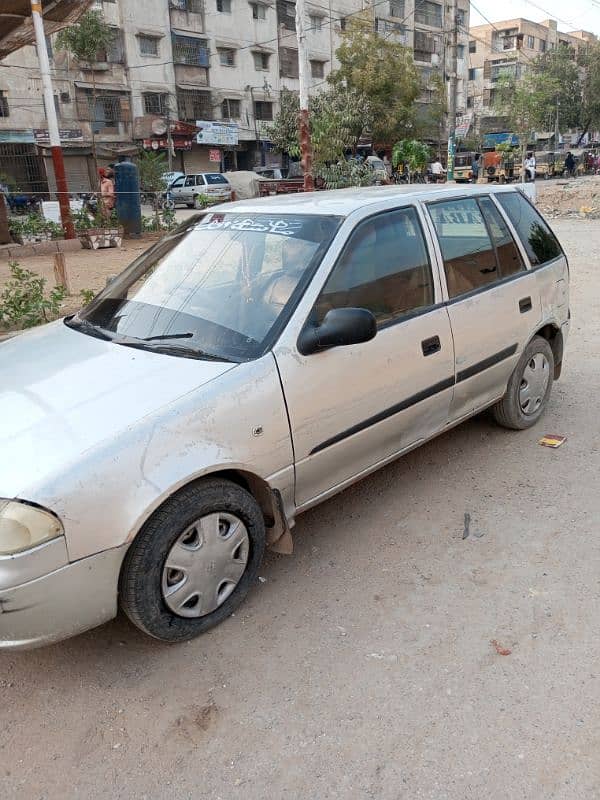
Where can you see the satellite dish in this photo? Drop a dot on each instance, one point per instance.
(159, 127)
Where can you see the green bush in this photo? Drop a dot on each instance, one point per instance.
(24, 301)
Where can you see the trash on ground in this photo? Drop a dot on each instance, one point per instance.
(552, 440)
(502, 651)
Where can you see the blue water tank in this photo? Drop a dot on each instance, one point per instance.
(127, 190)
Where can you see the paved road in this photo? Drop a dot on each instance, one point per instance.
(364, 666)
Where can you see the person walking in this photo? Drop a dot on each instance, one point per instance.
(475, 168)
(107, 191)
(529, 167)
(570, 165)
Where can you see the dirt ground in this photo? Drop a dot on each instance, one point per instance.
(570, 197)
(371, 663)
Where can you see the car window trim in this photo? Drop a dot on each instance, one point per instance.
(489, 230)
(417, 312)
(545, 221)
(512, 228)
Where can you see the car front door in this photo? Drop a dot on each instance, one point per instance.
(493, 302)
(176, 190)
(353, 408)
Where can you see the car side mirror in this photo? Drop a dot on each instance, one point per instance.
(341, 326)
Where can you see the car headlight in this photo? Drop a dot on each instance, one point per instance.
(23, 526)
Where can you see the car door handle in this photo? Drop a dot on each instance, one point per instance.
(431, 346)
(525, 304)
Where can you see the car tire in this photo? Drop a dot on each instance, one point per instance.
(190, 205)
(529, 387)
(200, 542)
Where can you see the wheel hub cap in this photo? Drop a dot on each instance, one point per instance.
(205, 565)
(534, 384)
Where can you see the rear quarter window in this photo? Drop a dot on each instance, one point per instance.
(213, 178)
(539, 241)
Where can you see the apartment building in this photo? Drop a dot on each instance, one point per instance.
(507, 48)
(211, 71)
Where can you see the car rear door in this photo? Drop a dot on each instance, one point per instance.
(493, 301)
(355, 407)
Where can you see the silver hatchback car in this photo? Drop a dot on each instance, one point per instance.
(252, 363)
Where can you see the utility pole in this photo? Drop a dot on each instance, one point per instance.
(452, 86)
(169, 134)
(53, 133)
(305, 142)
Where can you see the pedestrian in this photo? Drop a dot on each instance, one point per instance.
(437, 171)
(475, 167)
(570, 165)
(107, 191)
(529, 167)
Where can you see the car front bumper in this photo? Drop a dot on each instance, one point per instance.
(54, 606)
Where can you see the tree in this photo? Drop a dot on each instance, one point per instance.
(83, 40)
(337, 121)
(413, 153)
(382, 71)
(152, 167)
(530, 102)
(431, 117)
(590, 101)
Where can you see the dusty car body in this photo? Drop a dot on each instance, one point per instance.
(254, 362)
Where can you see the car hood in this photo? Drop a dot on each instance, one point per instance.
(63, 392)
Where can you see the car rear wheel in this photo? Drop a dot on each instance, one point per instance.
(529, 387)
(194, 561)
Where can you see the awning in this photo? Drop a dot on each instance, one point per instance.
(110, 87)
(16, 25)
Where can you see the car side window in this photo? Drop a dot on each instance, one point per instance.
(177, 184)
(190, 180)
(200, 180)
(509, 257)
(539, 241)
(468, 253)
(384, 268)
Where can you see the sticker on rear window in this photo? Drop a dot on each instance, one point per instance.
(261, 224)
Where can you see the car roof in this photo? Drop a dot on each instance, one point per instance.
(342, 202)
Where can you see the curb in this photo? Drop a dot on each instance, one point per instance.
(16, 251)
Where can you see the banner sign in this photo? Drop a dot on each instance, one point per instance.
(223, 133)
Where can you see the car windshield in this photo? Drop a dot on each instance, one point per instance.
(220, 286)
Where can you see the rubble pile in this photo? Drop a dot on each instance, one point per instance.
(569, 197)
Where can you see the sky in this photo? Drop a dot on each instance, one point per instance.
(571, 15)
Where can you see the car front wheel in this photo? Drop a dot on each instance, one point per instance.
(194, 561)
(529, 387)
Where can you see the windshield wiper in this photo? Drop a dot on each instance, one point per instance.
(87, 327)
(170, 349)
(167, 336)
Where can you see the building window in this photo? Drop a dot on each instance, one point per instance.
(396, 8)
(193, 105)
(542, 46)
(189, 50)
(231, 109)
(531, 42)
(286, 14)
(226, 56)
(470, 102)
(429, 13)
(316, 22)
(317, 69)
(460, 17)
(472, 46)
(148, 45)
(425, 46)
(460, 51)
(109, 109)
(224, 6)
(288, 62)
(49, 48)
(154, 102)
(472, 74)
(261, 61)
(263, 110)
(4, 109)
(343, 23)
(258, 11)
